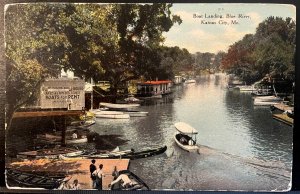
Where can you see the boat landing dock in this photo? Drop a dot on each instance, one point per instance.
(284, 118)
(283, 107)
(77, 168)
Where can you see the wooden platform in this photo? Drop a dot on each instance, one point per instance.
(47, 113)
(77, 168)
(284, 118)
(283, 107)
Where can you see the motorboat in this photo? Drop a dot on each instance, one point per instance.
(184, 137)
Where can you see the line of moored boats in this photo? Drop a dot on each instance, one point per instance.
(282, 109)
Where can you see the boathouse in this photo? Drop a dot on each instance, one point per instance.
(178, 79)
(154, 88)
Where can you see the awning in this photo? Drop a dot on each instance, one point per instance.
(185, 128)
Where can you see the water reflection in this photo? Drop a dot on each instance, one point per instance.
(245, 146)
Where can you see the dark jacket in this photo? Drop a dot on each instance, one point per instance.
(92, 169)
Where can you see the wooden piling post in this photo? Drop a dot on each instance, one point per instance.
(63, 131)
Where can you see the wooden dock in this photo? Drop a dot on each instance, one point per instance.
(77, 168)
(283, 107)
(284, 118)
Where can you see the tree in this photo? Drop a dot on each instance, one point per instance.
(116, 42)
(178, 60)
(217, 62)
(22, 82)
(270, 51)
(276, 49)
(140, 29)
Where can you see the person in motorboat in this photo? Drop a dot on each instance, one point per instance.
(191, 142)
(126, 181)
(183, 140)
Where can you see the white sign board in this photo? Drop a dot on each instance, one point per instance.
(63, 93)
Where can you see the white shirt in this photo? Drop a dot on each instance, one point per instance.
(75, 187)
(74, 135)
(99, 173)
(126, 180)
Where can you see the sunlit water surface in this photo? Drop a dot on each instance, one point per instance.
(227, 122)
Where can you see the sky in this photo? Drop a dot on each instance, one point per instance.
(214, 27)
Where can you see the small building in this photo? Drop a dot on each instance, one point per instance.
(154, 88)
(178, 79)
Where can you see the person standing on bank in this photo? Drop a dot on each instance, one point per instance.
(99, 176)
(93, 177)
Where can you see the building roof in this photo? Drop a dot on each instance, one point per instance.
(155, 82)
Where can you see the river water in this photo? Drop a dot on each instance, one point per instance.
(242, 147)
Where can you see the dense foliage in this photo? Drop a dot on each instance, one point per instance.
(268, 52)
(113, 42)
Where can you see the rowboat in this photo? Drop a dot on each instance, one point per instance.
(136, 113)
(25, 179)
(119, 115)
(55, 139)
(262, 92)
(137, 183)
(129, 100)
(246, 88)
(107, 112)
(265, 103)
(130, 154)
(82, 124)
(49, 153)
(184, 137)
(189, 81)
(132, 99)
(119, 106)
(267, 98)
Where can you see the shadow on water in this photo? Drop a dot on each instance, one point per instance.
(213, 170)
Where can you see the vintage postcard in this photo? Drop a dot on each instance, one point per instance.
(152, 96)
